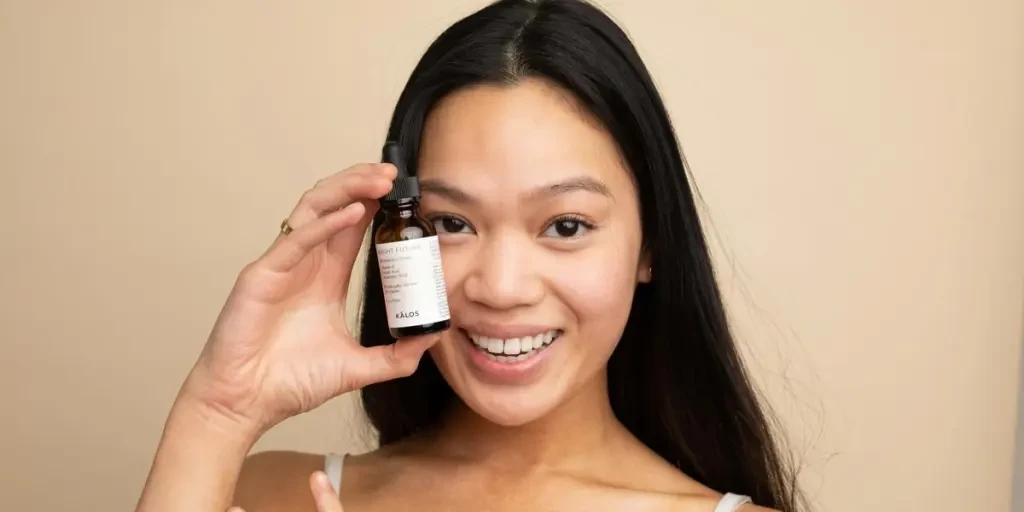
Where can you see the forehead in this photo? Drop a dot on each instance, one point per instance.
(516, 137)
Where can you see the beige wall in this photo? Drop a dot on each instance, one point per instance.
(861, 162)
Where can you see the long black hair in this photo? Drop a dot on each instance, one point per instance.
(675, 379)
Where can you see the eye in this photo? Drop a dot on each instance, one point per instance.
(570, 226)
(449, 224)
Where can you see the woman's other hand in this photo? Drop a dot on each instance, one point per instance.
(324, 495)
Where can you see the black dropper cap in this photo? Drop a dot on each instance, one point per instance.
(405, 186)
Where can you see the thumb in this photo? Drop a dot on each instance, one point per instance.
(324, 494)
(387, 362)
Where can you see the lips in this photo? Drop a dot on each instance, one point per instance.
(518, 358)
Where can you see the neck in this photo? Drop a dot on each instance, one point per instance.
(567, 436)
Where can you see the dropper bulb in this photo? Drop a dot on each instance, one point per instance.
(392, 154)
(404, 186)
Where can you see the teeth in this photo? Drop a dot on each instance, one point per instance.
(494, 345)
(526, 344)
(513, 346)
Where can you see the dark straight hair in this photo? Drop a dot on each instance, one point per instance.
(675, 379)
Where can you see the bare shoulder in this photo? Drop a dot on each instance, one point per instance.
(708, 503)
(755, 508)
(711, 502)
(705, 502)
(668, 487)
(662, 486)
(276, 481)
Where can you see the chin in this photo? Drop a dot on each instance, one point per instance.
(508, 409)
(508, 386)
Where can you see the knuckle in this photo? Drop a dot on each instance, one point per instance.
(364, 167)
(391, 355)
(290, 245)
(352, 172)
(410, 367)
(402, 366)
(249, 269)
(248, 273)
(321, 183)
(308, 197)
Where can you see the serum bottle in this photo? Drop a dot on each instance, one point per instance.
(409, 258)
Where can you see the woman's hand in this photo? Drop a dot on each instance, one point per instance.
(280, 346)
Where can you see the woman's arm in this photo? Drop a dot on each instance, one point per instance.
(197, 462)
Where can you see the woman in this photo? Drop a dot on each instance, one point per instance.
(549, 166)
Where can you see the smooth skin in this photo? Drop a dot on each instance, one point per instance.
(508, 175)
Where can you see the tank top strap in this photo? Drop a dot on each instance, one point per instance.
(333, 464)
(731, 502)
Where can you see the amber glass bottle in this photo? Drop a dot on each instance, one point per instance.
(409, 258)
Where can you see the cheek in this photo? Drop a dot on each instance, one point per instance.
(597, 286)
(456, 262)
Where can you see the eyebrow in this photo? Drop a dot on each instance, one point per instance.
(577, 184)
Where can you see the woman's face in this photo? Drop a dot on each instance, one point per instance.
(540, 237)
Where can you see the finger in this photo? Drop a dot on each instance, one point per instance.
(344, 246)
(323, 493)
(388, 170)
(290, 249)
(367, 181)
(236, 509)
(387, 362)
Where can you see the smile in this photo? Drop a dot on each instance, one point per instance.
(513, 350)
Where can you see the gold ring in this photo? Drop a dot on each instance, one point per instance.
(285, 227)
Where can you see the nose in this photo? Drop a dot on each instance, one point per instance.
(504, 275)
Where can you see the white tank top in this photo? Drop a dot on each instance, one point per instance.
(333, 464)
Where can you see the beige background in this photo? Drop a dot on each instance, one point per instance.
(861, 163)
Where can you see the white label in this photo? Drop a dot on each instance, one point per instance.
(413, 281)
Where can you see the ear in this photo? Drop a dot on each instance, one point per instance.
(644, 273)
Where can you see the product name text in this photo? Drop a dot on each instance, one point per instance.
(399, 249)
